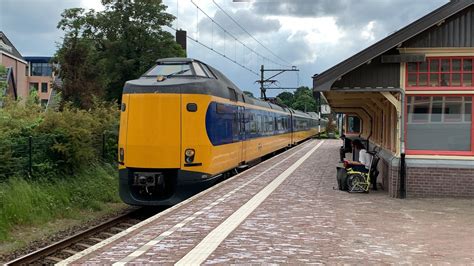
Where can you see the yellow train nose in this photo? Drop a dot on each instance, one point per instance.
(153, 131)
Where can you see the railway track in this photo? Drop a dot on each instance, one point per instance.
(65, 248)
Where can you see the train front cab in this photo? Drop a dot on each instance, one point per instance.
(149, 146)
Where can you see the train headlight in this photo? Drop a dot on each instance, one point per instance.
(189, 152)
(189, 155)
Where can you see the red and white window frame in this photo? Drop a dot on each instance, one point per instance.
(451, 73)
(440, 74)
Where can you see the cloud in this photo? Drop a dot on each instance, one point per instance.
(312, 34)
(31, 25)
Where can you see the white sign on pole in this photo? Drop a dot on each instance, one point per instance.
(325, 109)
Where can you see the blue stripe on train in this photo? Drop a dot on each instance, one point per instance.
(225, 124)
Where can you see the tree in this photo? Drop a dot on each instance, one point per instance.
(286, 98)
(249, 94)
(302, 99)
(124, 40)
(82, 71)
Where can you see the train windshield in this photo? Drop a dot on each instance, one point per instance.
(169, 70)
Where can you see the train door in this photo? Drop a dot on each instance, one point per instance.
(242, 136)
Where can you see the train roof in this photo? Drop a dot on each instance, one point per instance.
(220, 86)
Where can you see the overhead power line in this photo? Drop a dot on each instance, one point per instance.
(251, 36)
(235, 38)
(217, 52)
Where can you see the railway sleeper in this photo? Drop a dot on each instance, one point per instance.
(126, 224)
(55, 259)
(82, 245)
(69, 251)
(116, 229)
(106, 234)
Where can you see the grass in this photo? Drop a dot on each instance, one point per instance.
(324, 135)
(37, 203)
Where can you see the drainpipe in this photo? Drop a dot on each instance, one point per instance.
(402, 171)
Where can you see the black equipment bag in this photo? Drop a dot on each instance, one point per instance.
(342, 178)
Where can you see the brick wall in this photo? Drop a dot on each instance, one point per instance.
(440, 182)
(433, 182)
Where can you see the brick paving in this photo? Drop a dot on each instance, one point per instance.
(306, 221)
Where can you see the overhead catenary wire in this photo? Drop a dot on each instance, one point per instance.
(235, 38)
(219, 53)
(251, 36)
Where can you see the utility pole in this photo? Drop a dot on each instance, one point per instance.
(270, 80)
(262, 89)
(317, 95)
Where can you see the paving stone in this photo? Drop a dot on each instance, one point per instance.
(306, 221)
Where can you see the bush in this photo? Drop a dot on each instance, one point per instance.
(65, 152)
(57, 142)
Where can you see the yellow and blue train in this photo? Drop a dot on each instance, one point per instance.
(184, 126)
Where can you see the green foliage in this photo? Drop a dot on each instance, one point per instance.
(62, 142)
(286, 98)
(83, 72)
(302, 99)
(102, 50)
(26, 202)
(3, 84)
(249, 94)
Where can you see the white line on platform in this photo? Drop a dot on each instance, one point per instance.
(176, 227)
(165, 212)
(205, 248)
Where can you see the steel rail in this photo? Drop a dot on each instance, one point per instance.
(42, 253)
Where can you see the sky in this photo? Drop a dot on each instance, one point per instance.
(312, 35)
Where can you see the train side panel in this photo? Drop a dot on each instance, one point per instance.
(196, 127)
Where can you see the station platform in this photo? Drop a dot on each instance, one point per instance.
(286, 210)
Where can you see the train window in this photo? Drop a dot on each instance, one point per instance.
(232, 95)
(198, 69)
(169, 70)
(223, 109)
(208, 71)
(269, 123)
(235, 126)
(259, 124)
(253, 124)
(264, 124)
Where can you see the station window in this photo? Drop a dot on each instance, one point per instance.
(441, 72)
(353, 124)
(439, 125)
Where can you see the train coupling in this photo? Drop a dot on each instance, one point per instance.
(148, 179)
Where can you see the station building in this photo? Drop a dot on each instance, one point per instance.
(412, 95)
(25, 73)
